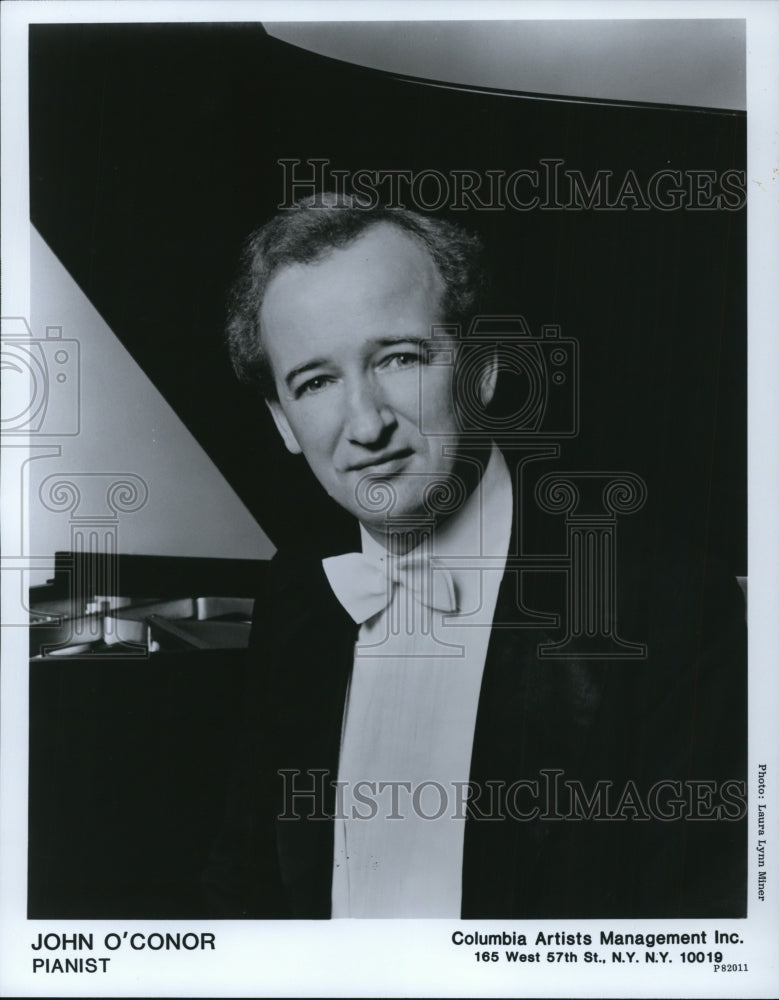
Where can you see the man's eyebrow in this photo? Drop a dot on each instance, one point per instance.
(408, 339)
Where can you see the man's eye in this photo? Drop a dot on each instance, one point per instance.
(313, 385)
(401, 359)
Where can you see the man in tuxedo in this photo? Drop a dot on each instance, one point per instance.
(409, 750)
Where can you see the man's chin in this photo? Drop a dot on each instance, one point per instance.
(375, 499)
(385, 502)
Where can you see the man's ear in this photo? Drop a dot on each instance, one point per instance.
(489, 379)
(282, 425)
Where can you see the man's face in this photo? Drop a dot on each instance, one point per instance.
(345, 338)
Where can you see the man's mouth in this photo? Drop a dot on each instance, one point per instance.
(391, 461)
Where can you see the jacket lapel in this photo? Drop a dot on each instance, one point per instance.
(534, 717)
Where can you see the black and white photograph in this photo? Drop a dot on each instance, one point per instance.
(389, 563)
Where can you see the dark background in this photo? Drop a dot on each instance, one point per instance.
(153, 153)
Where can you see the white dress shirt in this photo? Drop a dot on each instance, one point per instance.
(411, 711)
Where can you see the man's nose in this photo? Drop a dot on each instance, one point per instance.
(370, 421)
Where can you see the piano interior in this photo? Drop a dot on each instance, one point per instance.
(140, 605)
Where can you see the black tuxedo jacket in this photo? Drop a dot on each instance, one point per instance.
(615, 727)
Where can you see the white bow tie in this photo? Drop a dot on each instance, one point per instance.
(365, 585)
